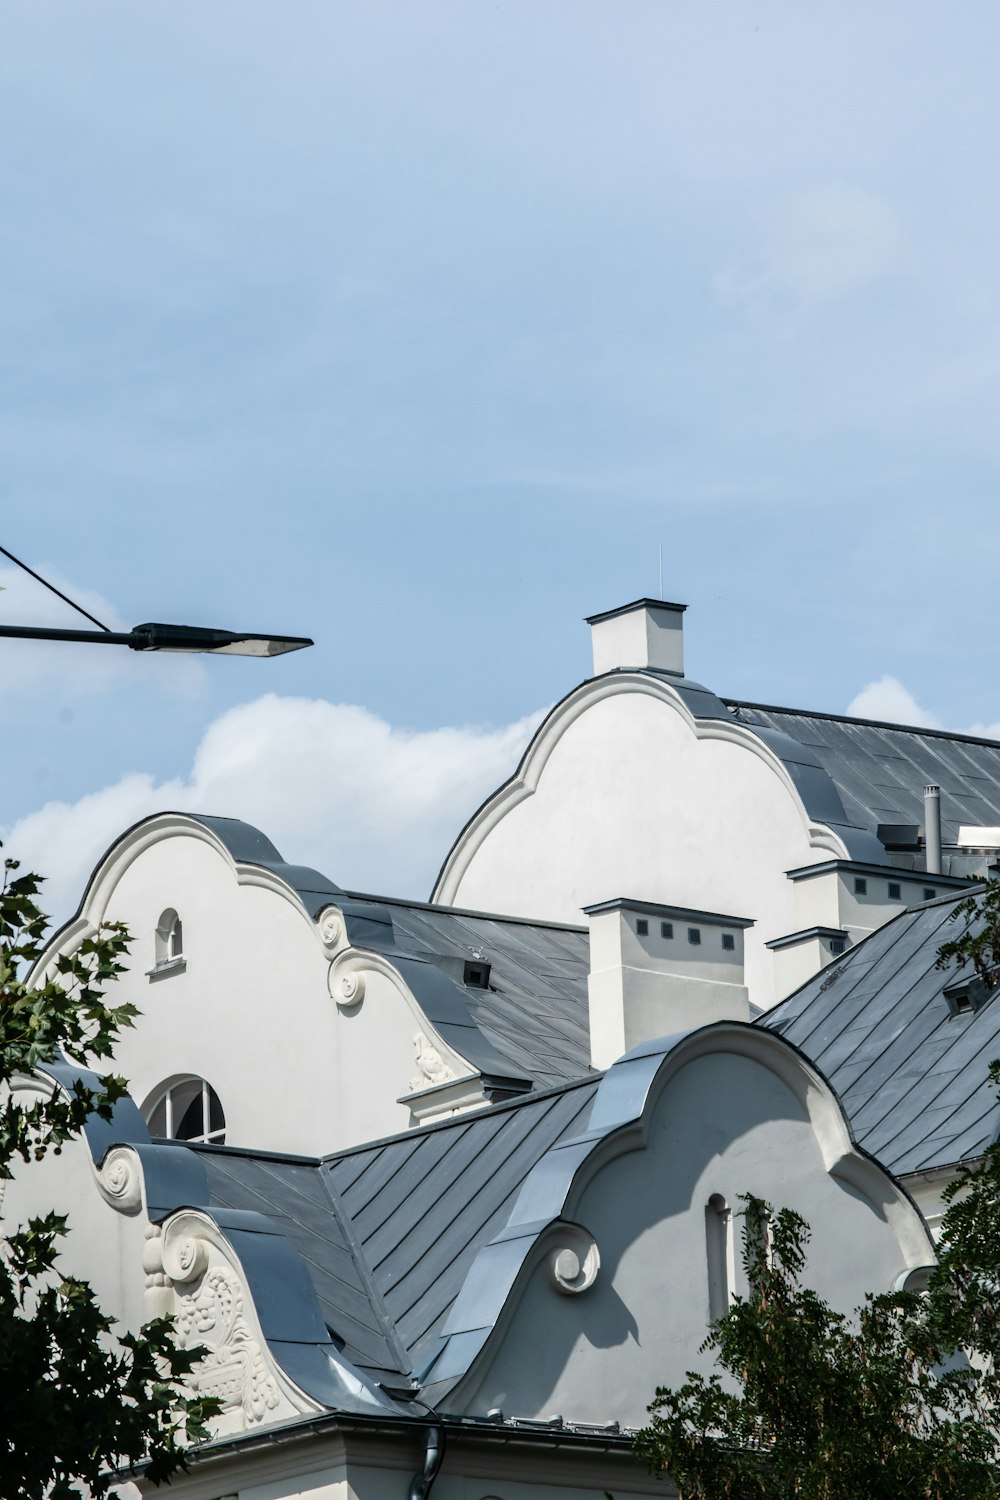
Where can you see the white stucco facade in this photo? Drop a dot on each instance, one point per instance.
(623, 792)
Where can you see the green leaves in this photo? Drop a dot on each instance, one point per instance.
(815, 1405)
(979, 940)
(78, 1400)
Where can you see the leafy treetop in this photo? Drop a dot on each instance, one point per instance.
(79, 1400)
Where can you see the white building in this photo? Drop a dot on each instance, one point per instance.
(420, 1168)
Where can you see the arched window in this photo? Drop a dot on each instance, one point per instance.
(719, 1255)
(169, 940)
(186, 1109)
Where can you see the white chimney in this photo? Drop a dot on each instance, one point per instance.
(646, 633)
(656, 970)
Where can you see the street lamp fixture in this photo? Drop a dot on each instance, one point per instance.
(152, 637)
(188, 638)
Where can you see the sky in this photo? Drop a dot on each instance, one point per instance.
(420, 328)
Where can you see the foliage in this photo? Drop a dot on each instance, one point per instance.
(78, 1400)
(816, 1405)
(979, 941)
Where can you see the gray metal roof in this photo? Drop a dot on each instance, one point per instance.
(880, 770)
(388, 1231)
(912, 1076)
(533, 1018)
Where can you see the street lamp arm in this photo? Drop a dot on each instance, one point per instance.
(155, 637)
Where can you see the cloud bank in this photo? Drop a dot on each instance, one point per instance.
(888, 699)
(373, 806)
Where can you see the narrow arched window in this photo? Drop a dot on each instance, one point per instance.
(168, 940)
(186, 1109)
(719, 1256)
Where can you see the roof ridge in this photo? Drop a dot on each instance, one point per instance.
(817, 713)
(417, 1132)
(395, 1344)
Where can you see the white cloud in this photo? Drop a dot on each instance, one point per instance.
(888, 699)
(832, 240)
(820, 245)
(372, 806)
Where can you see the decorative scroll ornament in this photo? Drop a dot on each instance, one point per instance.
(234, 1369)
(574, 1260)
(431, 1066)
(119, 1179)
(347, 982)
(331, 929)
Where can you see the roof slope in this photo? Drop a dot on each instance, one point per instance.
(388, 1231)
(534, 1013)
(912, 1077)
(423, 1203)
(880, 770)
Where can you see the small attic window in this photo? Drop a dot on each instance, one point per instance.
(642, 927)
(694, 935)
(477, 974)
(837, 945)
(728, 942)
(666, 929)
(895, 890)
(168, 945)
(860, 885)
(929, 893)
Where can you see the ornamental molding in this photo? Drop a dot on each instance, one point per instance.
(572, 1259)
(525, 779)
(348, 979)
(193, 1275)
(120, 1181)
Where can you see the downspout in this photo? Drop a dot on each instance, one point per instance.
(420, 1484)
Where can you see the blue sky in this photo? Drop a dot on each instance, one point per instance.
(419, 327)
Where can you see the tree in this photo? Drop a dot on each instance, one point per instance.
(979, 941)
(78, 1399)
(902, 1398)
(818, 1405)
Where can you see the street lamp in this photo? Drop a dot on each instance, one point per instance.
(168, 638)
(153, 637)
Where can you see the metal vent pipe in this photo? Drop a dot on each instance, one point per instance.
(932, 829)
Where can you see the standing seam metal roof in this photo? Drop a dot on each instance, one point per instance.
(913, 1076)
(880, 770)
(388, 1231)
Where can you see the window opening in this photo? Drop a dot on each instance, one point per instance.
(728, 942)
(895, 890)
(860, 886)
(837, 945)
(187, 1110)
(168, 943)
(694, 935)
(929, 893)
(642, 927)
(666, 929)
(719, 1256)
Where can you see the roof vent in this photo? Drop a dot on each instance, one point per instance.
(967, 995)
(477, 974)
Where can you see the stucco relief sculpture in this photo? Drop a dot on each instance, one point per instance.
(431, 1066)
(574, 1260)
(234, 1369)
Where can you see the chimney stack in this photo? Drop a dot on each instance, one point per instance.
(932, 829)
(646, 634)
(656, 970)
